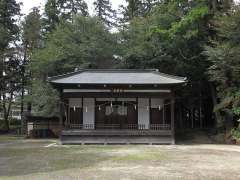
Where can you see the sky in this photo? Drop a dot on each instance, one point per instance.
(29, 4)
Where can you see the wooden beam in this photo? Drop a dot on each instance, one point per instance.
(173, 119)
(117, 95)
(61, 108)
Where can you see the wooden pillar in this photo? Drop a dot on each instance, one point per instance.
(192, 117)
(173, 119)
(163, 112)
(66, 112)
(61, 109)
(143, 113)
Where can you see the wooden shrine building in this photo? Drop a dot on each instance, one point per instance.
(117, 106)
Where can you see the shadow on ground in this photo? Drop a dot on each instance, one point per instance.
(199, 137)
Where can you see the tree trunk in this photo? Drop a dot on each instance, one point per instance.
(213, 5)
(6, 110)
(23, 124)
(23, 81)
(229, 123)
(219, 122)
(5, 117)
(6, 124)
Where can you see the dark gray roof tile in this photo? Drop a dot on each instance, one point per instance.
(117, 76)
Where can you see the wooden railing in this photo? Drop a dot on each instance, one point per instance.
(42, 125)
(108, 126)
(160, 126)
(81, 126)
(155, 127)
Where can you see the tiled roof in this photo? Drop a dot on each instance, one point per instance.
(116, 76)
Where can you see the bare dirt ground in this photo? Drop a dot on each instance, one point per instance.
(45, 159)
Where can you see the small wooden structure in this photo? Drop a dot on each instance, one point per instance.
(39, 127)
(117, 106)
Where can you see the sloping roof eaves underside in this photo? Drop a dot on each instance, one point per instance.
(117, 77)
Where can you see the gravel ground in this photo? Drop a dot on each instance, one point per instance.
(45, 159)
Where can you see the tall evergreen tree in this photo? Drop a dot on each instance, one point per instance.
(105, 12)
(52, 14)
(69, 8)
(133, 9)
(147, 6)
(172, 38)
(9, 29)
(138, 8)
(63, 9)
(224, 54)
(84, 43)
(31, 40)
(9, 64)
(31, 34)
(220, 5)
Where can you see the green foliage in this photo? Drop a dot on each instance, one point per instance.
(224, 54)
(55, 10)
(44, 99)
(141, 49)
(9, 60)
(236, 133)
(84, 43)
(31, 30)
(170, 38)
(52, 15)
(14, 123)
(32, 38)
(9, 9)
(225, 103)
(69, 8)
(105, 12)
(187, 26)
(138, 8)
(133, 9)
(192, 18)
(182, 23)
(236, 110)
(169, 35)
(2, 125)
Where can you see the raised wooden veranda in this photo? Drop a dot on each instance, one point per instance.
(114, 134)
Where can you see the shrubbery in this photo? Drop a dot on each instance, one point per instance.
(236, 133)
(12, 123)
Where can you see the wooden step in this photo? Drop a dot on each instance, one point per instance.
(65, 139)
(110, 132)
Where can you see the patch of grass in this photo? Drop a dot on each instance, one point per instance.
(10, 137)
(144, 156)
(30, 160)
(29, 157)
(69, 161)
(102, 148)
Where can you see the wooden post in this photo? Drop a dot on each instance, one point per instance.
(192, 117)
(163, 112)
(60, 115)
(172, 120)
(61, 109)
(68, 115)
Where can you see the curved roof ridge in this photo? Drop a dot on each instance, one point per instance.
(171, 76)
(64, 75)
(99, 70)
